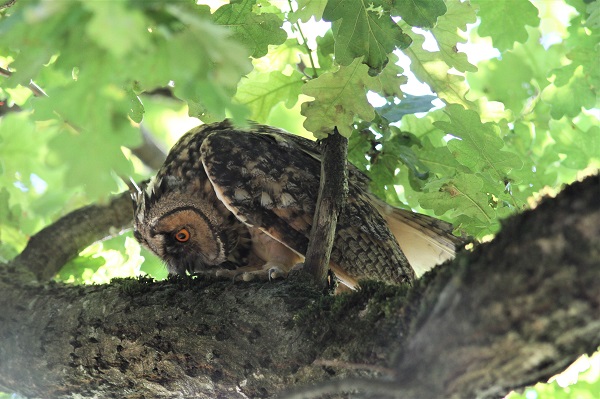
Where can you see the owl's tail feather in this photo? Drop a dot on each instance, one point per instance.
(425, 240)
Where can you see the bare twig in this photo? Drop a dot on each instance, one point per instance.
(149, 152)
(7, 4)
(333, 189)
(305, 44)
(35, 89)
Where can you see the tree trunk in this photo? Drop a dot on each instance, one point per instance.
(508, 314)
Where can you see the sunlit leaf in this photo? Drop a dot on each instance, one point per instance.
(255, 31)
(260, 92)
(339, 97)
(506, 21)
(448, 34)
(308, 9)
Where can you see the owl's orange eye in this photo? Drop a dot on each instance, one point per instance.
(182, 235)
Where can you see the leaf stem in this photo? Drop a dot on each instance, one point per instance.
(305, 44)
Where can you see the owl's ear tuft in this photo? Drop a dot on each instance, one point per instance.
(158, 187)
(135, 191)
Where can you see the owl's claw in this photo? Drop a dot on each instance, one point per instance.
(268, 273)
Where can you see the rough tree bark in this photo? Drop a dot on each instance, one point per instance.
(510, 313)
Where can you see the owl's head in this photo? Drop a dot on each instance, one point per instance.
(185, 230)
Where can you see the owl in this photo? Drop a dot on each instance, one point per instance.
(239, 202)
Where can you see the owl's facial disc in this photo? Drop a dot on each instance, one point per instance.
(186, 236)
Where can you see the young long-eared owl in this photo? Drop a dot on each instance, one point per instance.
(236, 201)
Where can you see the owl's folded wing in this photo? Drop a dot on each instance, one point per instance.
(270, 181)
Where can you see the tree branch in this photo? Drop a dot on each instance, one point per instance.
(53, 246)
(516, 311)
(150, 152)
(511, 313)
(7, 4)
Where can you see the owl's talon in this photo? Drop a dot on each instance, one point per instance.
(247, 276)
(270, 274)
(276, 273)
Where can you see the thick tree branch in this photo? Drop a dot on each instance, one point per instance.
(511, 313)
(516, 311)
(333, 188)
(53, 246)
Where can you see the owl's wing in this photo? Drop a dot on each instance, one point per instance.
(270, 180)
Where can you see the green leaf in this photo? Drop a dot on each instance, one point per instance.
(339, 97)
(204, 63)
(254, 31)
(408, 157)
(391, 78)
(116, 29)
(92, 161)
(11, 238)
(593, 20)
(260, 92)
(439, 160)
(37, 34)
(214, 103)
(432, 150)
(362, 32)
(360, 144)
(479, 148)
(433, 67)
(80, 269)
(421, 13)
(517, 77)
(136, 109)
(21, 147)
(325, 51)
(505, 21)
(408, 105)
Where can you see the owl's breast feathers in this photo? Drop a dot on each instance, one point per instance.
(269, 180)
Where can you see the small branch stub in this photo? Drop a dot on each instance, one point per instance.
(333, 190)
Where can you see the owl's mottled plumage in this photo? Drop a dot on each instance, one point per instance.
(242, 200)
